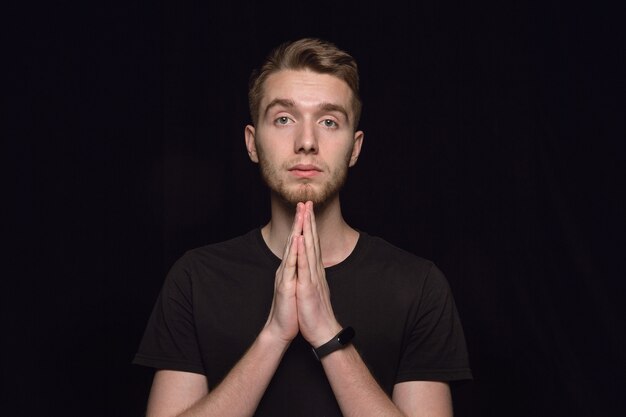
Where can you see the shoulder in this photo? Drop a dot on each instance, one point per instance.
(379, 251)
(216, 258)
(400, 265)
(229, 250)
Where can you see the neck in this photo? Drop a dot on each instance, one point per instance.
(337, 238)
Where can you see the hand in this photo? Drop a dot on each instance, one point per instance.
(316, 318)
(283, 317)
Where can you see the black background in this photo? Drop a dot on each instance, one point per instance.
(495, 146)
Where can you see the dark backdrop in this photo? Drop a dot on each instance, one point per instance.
(495, 146)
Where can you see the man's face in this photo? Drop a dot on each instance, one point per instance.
(304, 140)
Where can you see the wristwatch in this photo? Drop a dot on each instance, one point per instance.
(342, 339)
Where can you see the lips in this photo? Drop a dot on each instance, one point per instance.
(305, 170)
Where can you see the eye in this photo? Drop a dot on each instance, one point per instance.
(329, 123)
(283, 120)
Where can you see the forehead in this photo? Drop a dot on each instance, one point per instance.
(306, 87)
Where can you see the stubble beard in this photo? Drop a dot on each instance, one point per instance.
(304, 190)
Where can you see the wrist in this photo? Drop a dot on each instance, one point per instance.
(269, 337)
(342, 339)
(325, 334)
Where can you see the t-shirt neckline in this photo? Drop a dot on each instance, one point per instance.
(356, 253)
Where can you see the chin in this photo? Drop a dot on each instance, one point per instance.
(307, 193)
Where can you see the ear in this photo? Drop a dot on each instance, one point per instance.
(356, 147)
(250, 134)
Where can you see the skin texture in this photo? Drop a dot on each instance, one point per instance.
(305, 122)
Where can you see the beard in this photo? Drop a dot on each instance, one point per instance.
(302, 190)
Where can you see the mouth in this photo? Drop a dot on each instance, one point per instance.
(305, 170)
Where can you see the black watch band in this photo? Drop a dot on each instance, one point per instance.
(342, 339)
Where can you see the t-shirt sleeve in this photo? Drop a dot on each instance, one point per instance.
(169, 341)
(435, 347)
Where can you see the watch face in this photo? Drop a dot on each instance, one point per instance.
(346, 336)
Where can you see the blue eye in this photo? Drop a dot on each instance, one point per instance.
(283, 120)
(329, 123)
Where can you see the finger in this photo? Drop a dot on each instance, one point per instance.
(296, 229)
(287, 247)
(298, 220)
(316, 240)
(291, 260)
(309, 242)
(304, 273)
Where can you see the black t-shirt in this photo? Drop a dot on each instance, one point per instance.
(217, 298)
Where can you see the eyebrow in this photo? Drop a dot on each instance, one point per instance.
(331, 107)
(325, 106)
(279, 102)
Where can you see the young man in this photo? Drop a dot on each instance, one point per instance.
(305, 316)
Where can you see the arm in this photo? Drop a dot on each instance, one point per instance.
(184, 394)
(358, 393)
(423, 398)
(356, 390)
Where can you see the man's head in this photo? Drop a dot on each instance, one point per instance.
(311, 54)
(305, 106)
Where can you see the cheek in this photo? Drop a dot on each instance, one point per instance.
(277, 141)
(346, 153)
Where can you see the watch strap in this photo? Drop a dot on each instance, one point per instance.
(342, 339)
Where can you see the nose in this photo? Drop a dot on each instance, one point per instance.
(306, 140)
